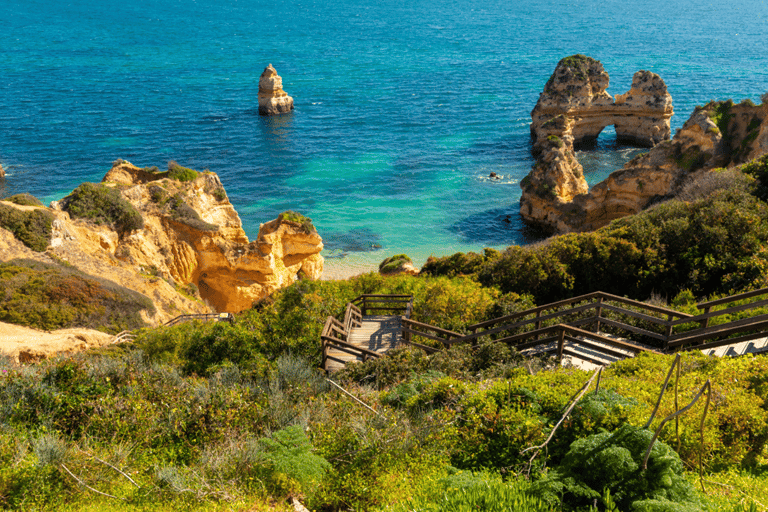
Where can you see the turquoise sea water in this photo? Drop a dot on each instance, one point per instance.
(402, 109)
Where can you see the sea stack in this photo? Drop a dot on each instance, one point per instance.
(2, 171)
(273, 99)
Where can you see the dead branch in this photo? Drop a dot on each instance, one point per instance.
(353, 397)
(574, 401)
(113, 467)
(88, 486)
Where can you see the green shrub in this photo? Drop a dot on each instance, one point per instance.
(297, 218)
(614, 461)
(24, 199)
(758, 169)
(720, 113)
(463, 491)
(179, 173)
(103, 205)
(662, 250)
(555, 141)
(32, 228)
(289, 466)
(458, 264)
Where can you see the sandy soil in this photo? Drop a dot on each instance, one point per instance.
(25, 345)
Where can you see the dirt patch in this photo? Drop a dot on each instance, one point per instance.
(25, 345)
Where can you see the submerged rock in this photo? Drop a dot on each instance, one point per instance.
(273, 99)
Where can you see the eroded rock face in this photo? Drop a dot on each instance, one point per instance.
(576, 107)
(273, 99)
(213, 253)
(719, 134)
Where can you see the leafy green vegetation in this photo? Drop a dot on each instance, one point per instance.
(179, 173)
(32, 228)
(720, 113)
(24, 199)
(710, 246)
(48, 296)
(101, 204)
(297, 218)
(555, 141)
(614, 461)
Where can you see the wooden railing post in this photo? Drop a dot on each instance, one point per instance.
(599, 314)
(560, 345)
(325, 355)
(705, 322)
(668, 333)
(538, 323)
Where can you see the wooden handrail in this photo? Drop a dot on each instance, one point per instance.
(219, 317)
(733, 298)
(594, 295)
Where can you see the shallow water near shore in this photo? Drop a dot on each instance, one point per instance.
(402, 110)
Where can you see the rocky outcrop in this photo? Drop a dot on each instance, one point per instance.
(213, 253)
(191, 255)
(575, 106)
(273, 99)
(2, 172)
(718, 134)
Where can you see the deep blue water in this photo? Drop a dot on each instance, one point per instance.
(403, 108)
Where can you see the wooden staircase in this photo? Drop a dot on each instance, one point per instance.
(361, 336)
(595, 329)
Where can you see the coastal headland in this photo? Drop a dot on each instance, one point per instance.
(172, 236)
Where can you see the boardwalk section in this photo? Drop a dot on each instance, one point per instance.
(366, 331)
(591, 330)
(376, 334)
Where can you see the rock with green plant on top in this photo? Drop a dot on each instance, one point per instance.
(398, 264)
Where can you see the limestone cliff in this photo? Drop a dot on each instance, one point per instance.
(210, 249)
(191, 235)
(718, 134)
(272, 98)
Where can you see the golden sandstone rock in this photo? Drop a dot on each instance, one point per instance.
(272, 98)
(171, 251)
(574, 108)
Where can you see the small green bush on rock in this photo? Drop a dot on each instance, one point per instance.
(24, 199)
(297, 218)
(32, 228)
(179, 173)
(103, 205)
(394, 263)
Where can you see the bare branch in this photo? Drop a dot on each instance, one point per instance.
(706, 387)
(88, 486)
(353, 397)
(675, 363)
(584, 389)
(113, 467)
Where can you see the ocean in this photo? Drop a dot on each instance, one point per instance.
(402, 109)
